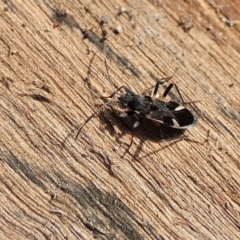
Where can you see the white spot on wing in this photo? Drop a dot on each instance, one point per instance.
(175, 124)
(179, 108)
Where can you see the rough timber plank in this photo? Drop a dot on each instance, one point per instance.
(52, 69)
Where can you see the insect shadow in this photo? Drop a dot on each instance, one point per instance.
(147, 132)
(120, 127)
(166, 115)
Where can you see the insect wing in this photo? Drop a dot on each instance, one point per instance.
(171, 114)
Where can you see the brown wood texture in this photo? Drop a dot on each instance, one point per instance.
(52, 73)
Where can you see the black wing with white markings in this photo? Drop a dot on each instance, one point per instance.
(171, 114)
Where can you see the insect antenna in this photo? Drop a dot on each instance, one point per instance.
(105, 104)
(90, 117)
(109, 78)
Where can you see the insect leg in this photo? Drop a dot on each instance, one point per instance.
(160, 134)
(159, 82)
(136, 124)
(131, 141)
(168, 89)
(129, 146)
(130, 113)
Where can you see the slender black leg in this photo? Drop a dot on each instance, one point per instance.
(168, 89)
(136, 124)
(160, 134)
(131, 140)
(129, 146)
(130, 113)
(159, 82)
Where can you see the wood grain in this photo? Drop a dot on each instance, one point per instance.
(52, 75)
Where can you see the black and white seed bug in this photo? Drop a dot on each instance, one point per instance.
(159, 110)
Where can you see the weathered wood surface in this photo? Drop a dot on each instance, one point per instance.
(52, 69)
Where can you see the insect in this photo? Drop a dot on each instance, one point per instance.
(160, 111)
